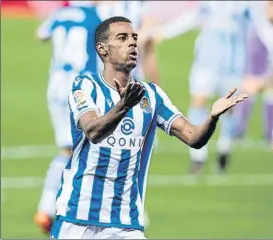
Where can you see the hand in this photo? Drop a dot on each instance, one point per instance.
(131, 94)
(158, 36)
(143, 37)
(151, 34)
(225, 103)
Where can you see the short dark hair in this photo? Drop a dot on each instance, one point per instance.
(102, 30)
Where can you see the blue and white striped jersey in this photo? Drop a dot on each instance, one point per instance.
(72, 30)
(104, 184)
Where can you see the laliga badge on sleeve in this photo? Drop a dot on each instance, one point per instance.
(79, 98)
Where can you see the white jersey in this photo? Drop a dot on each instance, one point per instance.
(230, 17)
(134, 10)
(104, 184)
(72, 31)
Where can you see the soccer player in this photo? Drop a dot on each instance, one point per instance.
(260, 49)
(72, 31)
(147, 68)
(219, 63)
(113, 122)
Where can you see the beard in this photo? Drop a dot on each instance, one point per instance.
(125, 67)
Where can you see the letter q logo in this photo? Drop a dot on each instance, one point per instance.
(127, 126)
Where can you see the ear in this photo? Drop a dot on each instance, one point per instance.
(102, 49)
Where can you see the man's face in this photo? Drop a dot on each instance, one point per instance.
(122, 45)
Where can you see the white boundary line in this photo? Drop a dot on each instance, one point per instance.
(28, 151)
(213, 180)
(45, 151)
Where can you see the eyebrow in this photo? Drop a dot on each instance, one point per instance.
(133, 34)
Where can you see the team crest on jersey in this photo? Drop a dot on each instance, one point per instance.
(79, 98)
(145, 105)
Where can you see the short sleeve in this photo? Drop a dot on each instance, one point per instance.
(165, 110)
(82, 97)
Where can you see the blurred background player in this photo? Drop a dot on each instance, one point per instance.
(71, 30)
(219, 63)
(259, 68)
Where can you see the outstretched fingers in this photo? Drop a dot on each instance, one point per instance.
(242, 96)
(230, 93)
(239, 98)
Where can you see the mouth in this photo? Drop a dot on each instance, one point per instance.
(133, 55)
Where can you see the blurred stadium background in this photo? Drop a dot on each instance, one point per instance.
(235, 205)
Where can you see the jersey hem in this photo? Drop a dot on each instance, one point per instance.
(100, 224)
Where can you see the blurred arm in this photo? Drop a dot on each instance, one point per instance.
(44, 31)
(269, 10)
(185, 22)
(150, 62)
(148, 46)
(181, 25)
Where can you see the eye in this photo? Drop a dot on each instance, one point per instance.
(135, 38)
(122, 38)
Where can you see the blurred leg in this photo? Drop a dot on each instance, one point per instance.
(244, 111)
(197, 115)
(256, 69)
(47, 208)
(60, 119)
(268, 113)
(202, 85)
(228, 123)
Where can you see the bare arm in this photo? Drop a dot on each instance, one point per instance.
(98, 128)
(194, 136)
(198, 136)
(150, 63)
(269, 10)
(44, 31)
(184, 23)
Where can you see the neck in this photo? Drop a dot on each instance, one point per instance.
(110, 72)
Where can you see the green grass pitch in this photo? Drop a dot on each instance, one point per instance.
(195, 208)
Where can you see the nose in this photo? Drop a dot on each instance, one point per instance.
(133, 43)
